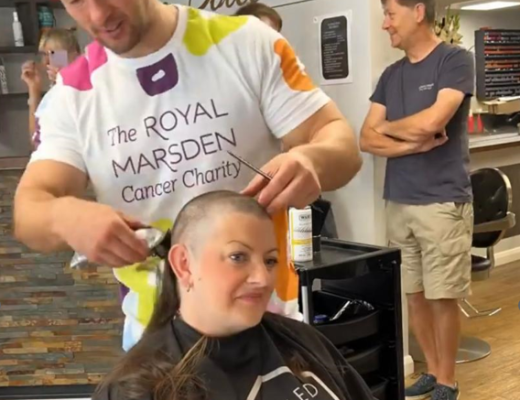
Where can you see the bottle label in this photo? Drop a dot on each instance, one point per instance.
(300, 233)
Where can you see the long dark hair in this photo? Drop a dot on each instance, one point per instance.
(147, 368)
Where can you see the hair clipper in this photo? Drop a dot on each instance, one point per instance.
(157, 240)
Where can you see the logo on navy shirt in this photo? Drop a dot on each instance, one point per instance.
(423, 88)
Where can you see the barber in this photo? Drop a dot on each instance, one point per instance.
(152, 84)
(418, 121)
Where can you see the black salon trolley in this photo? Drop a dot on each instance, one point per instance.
(371, 343)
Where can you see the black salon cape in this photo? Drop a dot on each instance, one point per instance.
(248, 366)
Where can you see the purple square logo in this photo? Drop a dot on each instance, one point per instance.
(160, 77)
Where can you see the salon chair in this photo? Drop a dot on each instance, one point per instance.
(492, 202)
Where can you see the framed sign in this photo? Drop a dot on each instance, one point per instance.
(335, 48)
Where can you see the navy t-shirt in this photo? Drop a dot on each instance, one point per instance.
(405, 89)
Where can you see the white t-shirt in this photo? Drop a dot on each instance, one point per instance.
(153, 132)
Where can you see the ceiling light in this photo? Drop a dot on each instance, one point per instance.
(489, 5)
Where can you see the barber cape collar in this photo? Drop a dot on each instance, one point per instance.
(250, 366)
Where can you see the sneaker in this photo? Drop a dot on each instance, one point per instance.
(443, 392)
(422, 388)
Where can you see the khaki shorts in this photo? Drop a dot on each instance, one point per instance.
(435, 242)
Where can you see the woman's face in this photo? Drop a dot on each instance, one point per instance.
(233, 276)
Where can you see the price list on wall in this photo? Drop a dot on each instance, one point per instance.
(497, 57)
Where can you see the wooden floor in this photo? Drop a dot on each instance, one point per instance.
(496, 377)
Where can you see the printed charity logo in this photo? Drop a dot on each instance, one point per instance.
(282, 382)
(160, 77)
(178, 161)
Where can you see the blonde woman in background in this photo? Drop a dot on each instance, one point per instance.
(52, 40)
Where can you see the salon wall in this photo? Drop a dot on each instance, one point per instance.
(470, 21)
(354, 205)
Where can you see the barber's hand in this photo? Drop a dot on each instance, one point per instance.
(102, 234)
(31, 75)
(295, 183)
(52, 73)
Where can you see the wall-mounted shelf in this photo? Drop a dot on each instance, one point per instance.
(9, 3)
(497, 56)
(51, 4)
(13, 96)
(17, 50)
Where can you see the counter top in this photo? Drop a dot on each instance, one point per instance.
(13, 163)
(486, 142)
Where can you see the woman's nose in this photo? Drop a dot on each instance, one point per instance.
(259, 274)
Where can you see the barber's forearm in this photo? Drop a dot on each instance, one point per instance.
(334, 155)
(36, 215)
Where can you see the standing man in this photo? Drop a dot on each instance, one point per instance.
(148, 116)
(418, 121)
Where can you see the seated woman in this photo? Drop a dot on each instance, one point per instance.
(211, 337)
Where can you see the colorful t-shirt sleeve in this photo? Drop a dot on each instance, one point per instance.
(288, 95)
(58, 135)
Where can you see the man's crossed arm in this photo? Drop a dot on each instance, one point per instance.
(414, 134)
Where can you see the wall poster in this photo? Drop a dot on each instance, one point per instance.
(335, 48)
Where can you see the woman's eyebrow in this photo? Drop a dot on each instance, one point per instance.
(239, 242)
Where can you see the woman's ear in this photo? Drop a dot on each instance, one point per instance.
(180, 262)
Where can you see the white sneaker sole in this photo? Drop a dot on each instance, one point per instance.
(420, 397)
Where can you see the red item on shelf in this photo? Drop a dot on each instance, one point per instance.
(471, 123)
(480, 125)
